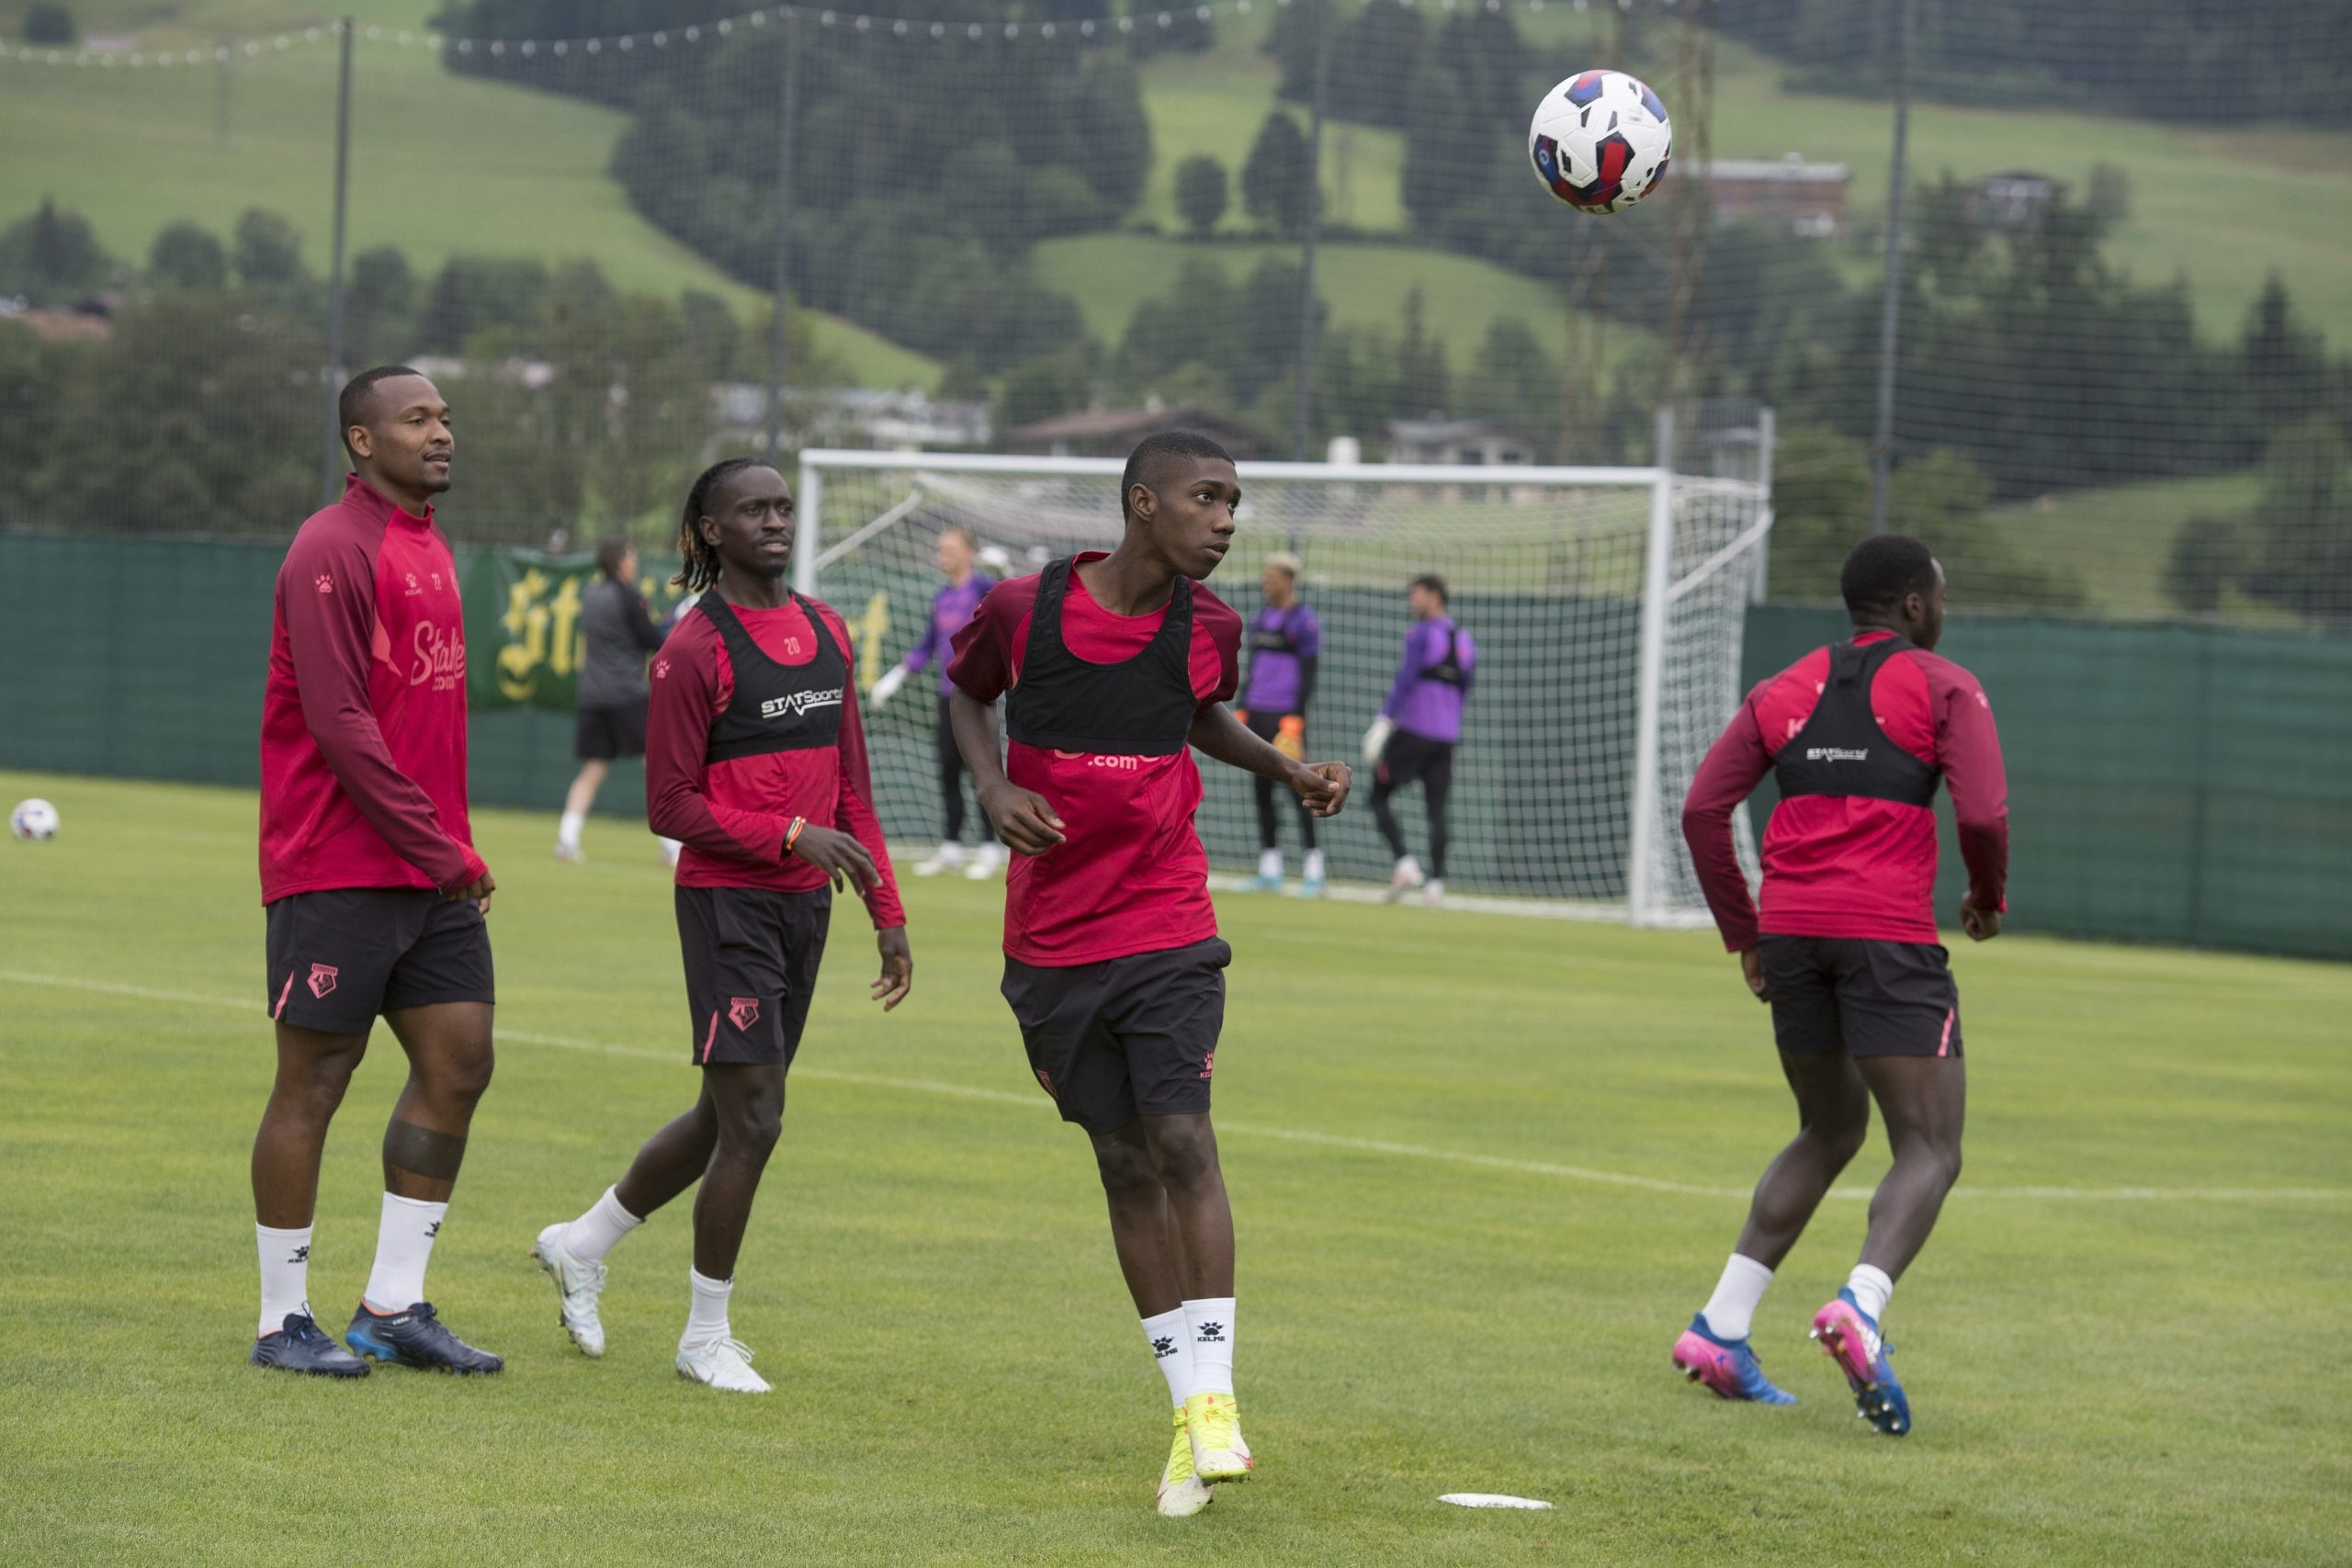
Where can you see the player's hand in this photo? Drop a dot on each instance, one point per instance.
(1982, 925)
(1023, 819)
(476, 892)
(897, 976)
(887, 686)
(1751, 969)
(1322, 787)
(840, 856)
(1375, 741)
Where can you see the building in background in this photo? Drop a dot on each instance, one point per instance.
(1114, 433)
(1786, 192)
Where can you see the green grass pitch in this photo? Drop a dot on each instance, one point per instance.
(1483, 1170)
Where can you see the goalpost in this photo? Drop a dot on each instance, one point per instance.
(1607, 602)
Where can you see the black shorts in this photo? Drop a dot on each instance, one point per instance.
(751, 955)
(1126, 1037)
(1415, 759)
(340, 956)
(606, 733)
(1868, 998)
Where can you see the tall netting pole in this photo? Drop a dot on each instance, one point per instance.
(1303, 436)
(780, 348)
(330, 464)
(1890, 309)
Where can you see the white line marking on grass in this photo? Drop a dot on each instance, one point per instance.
(1283, 1135)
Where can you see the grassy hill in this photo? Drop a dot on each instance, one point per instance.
(440, 163)
(2284, 195)
(2120, 537)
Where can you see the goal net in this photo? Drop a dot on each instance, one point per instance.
(1607, 604)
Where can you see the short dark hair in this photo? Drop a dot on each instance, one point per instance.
(1882, 569)
(1153, 453)
(608, 558)
(1432, 581)
(351, 408)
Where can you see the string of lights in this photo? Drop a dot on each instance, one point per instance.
(695, 34)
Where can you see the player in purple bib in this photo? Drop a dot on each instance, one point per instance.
(1285, 641)
(1413, 739)
(951, 607)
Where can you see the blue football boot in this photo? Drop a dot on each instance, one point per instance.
(1851, 1338)
(304, 1347)
(1726, 1366)
(415, 1338)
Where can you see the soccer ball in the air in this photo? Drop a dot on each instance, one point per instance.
(33, 820)
(1599, 141)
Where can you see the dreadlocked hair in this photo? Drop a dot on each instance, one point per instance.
(700, 558)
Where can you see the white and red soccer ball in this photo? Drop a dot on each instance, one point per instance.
(33, 820)
(1599, 141)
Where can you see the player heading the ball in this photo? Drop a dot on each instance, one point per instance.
(755, 762)
(1864, 1008)
(1117, 665)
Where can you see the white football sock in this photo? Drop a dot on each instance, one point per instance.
(403, 1245)
(285, 1276)
(1315, 865)
(1871, 1287)
(1269, 863)
(592, 1235)
(1211, 1321)
(1732, 1309)
(951, 851)
(706, 1320)
(1171, 1338)
(567, 832)
(1408, 867)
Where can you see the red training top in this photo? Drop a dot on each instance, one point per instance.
(1853, 865)
(1131, 875)
(363, 718)
(731, 816)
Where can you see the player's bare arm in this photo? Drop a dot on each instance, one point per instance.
(1322, 786)
(1023, 818)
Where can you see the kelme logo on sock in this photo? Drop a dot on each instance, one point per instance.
(1209, 1334)
(1163, 1347)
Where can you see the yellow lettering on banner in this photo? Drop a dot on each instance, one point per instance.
(872, 628)
(567, 655)
(526, 624)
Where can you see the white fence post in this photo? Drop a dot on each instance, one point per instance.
(807, 537)
(1657, 574)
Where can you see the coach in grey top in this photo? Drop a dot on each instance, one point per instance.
(616, 633)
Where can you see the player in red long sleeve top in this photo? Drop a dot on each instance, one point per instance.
(755, 762)
(1113, 669)
(375, 895)
(1844, 949)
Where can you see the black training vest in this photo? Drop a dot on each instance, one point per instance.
(1448, 672)
(1281, 638)
(1143, 707)
(1841, 750)
(777, 707)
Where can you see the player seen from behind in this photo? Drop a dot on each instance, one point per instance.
(951, 607)
(1844, 949)
(376, 899)
(1418, 726)
(1116, 666)
(616, 633)
(1286, 645)
(755, 760)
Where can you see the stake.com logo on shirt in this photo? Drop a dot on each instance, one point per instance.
(1122, 763)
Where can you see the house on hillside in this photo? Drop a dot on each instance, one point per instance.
(1786, 192)
(1112, 433)
(1473, 442)
(859, 418)
(2014, 200)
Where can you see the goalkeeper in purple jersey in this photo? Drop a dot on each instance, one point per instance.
(1285, 642)
(1412, 741)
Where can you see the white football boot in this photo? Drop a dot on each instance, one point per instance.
(721, 1363)
(577, 1286)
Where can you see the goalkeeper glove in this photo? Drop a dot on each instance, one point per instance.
(1290, 738)
(887, 686)
(1375, 739)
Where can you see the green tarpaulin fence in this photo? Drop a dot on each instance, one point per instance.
(2168, 783)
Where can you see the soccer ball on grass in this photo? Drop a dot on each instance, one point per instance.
(1599, 141)
(33, 820)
